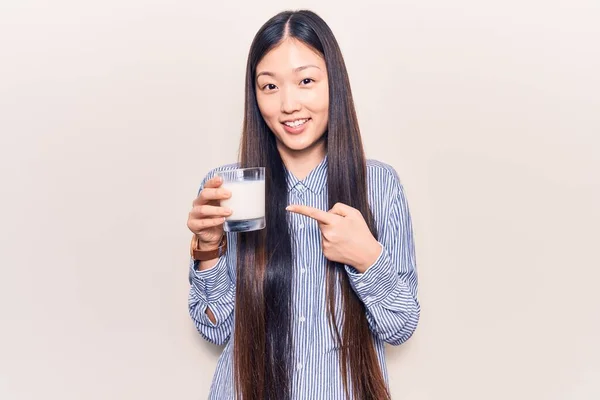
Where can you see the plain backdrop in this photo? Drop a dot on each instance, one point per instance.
(111, 113)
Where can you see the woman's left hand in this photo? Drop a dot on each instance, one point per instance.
(346, 237)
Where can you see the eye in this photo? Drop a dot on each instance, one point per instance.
(269, 86)
(307, 81)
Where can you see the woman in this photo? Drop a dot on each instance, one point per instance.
(317, 293)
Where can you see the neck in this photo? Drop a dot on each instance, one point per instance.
(300, 163)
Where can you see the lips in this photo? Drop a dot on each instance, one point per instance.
(296, 123)
(296, 126)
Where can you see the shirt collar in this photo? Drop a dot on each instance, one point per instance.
(314, 181)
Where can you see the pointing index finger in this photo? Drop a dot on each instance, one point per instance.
(311, 212)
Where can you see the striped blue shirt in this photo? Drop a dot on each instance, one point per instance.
(388, 288)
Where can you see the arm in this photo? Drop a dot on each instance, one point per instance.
(388, 288)
(212, 292)
(211, 296)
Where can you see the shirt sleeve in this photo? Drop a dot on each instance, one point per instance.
(212, 288)
(388, 288)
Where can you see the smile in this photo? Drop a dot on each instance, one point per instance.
(296, 123)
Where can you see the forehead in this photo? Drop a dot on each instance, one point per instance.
(290, 54)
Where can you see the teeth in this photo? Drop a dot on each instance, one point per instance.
(296, 123)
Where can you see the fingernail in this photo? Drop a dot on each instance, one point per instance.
(288, 208)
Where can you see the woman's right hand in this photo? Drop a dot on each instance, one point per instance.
(207, 216)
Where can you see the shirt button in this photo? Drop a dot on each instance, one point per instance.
(303, 270)
(299, 366)
(360, 285)
(368, 299)
(301, 226)
(302, 319)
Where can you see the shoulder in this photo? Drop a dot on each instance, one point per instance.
(226, 167)
(214, 171)
(386, 191)
(382, 177)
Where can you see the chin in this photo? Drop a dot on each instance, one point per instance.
(295, 147)
(299, 146)
(298, 143)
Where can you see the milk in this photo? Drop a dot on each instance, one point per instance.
(247, 199)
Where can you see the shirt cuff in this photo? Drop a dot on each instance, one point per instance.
(377, 282)
(220, 311)
(213, 283)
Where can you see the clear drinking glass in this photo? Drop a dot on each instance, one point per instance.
(247, 201)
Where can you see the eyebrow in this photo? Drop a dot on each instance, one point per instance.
(302, 68)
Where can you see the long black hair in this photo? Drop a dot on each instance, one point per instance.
(263, 342)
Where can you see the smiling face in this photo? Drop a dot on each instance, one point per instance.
(292, 92)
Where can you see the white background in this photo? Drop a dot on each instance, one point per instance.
(111, 113)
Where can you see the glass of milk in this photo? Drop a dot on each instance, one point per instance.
(247, 201)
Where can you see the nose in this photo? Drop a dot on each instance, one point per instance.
(289, 101)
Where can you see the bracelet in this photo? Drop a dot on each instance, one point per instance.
(205, 255)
